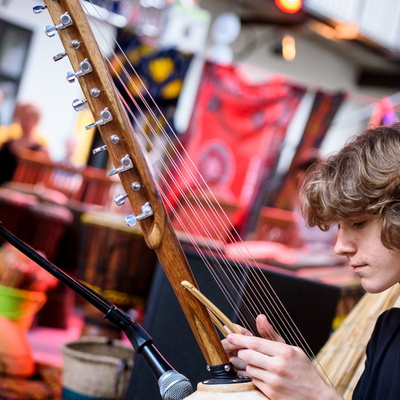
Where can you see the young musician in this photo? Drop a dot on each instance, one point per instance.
(357, 190)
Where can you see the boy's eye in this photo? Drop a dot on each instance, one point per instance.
(359, 223)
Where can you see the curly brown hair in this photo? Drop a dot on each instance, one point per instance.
(362, 178)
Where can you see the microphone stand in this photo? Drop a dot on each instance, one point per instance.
(138, 337)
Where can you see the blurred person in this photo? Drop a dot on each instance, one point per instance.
(358, 191)
(23, 135)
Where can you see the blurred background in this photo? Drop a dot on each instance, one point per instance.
(256, 90)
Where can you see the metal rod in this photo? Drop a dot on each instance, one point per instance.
(86, 292)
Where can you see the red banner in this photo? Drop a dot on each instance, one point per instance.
(236, 132)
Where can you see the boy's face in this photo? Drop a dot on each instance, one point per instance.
(359, 240)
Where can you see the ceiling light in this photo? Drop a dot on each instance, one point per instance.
(288, 48)
(289, 6)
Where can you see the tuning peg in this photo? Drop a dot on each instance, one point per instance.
(103, 148)
(105, 116)
(114, 139)
(39, 9)
(78, 104)
(95, 92)
(59, 56)
(147, 211)
(75, 44)
(135, 186)
(119, 199)
(65, 20)
(126, 163)
(99, 149)
(85, 69)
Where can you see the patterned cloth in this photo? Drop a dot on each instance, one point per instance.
(150, 81)
(236, 133)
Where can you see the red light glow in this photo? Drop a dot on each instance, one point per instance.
(289, 6)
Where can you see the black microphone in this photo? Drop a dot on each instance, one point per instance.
(172, 384)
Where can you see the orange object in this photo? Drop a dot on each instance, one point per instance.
(17, 355)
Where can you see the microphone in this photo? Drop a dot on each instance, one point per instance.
(172, 384)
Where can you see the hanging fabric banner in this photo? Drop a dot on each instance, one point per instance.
(236, 133)
(152, 75)
(323, 111)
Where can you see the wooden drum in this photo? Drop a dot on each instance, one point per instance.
(116, 262)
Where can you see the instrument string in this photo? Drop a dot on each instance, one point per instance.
(238, 280)
(171, 175)
(181, 155)
(199, 234)
(184, 226)
(205, 215)
(150, 112)
(231, 301)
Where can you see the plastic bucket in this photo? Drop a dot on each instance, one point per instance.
(20, 305)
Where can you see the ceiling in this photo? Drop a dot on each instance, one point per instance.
(378, 65)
